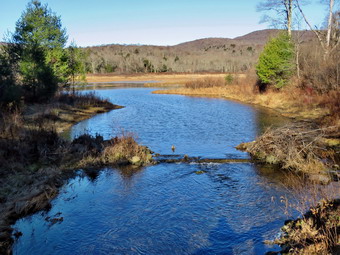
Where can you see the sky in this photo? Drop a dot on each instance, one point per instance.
(152, 22)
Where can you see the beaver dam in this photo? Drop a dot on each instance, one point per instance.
(205, 197)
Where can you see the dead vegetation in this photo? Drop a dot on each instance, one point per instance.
(208, 82)
(301, 147)
(82, 100)
(122, 150)
(317, 230)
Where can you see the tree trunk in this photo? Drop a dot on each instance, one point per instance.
(289, 9)
(329, 27)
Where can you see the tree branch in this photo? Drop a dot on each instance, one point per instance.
(309, 25)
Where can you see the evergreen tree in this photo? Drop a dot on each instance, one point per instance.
(10, 92)
(40, 40)
(76, 64)
(276, 62)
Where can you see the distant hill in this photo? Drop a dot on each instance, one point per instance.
(203, 55)
(262, 36)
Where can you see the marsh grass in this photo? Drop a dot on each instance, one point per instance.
(120, 150)
(82, 100)
(207, 82)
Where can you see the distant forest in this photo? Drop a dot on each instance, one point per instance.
(204, 55)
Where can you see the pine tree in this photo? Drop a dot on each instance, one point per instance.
(276, 62)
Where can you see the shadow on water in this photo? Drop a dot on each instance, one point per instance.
(223, 239)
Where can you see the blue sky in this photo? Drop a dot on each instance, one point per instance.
(156, 22)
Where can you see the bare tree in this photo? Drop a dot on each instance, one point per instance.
(283, 8)
(325, 42)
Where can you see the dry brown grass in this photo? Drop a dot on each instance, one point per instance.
(32, 155)
(160, 78)
(207, 82)
(122, 150)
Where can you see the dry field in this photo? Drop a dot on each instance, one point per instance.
(160, 79)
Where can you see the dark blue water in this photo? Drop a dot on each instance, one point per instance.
(167, 208)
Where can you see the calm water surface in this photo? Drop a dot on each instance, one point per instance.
(167, 208)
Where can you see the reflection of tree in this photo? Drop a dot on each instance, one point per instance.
(92, 174)
(128, 172)
(224, 240)
(267, 118)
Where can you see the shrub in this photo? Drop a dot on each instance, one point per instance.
(318, 73)
(229, 79)
(276, 62)
(207, 82)
(83, 100)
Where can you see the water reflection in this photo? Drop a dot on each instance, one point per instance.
(269, 118)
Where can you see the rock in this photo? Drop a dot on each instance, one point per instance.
(185, 158)
(199, 172)
(270, 159)
(135, 160)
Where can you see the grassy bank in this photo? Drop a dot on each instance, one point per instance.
(35, 160)
(290, 102)
(63, 111)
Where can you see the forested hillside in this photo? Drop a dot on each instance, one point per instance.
(203, 55)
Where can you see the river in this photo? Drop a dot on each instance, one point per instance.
(180, 208)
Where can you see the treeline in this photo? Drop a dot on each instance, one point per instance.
(34, 60)
(203, 55)
(227, 56)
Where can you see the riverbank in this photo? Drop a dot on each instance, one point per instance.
(35, 161)
(316, 232)
(287, 103)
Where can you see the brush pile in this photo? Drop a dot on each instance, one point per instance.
(300, 147)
